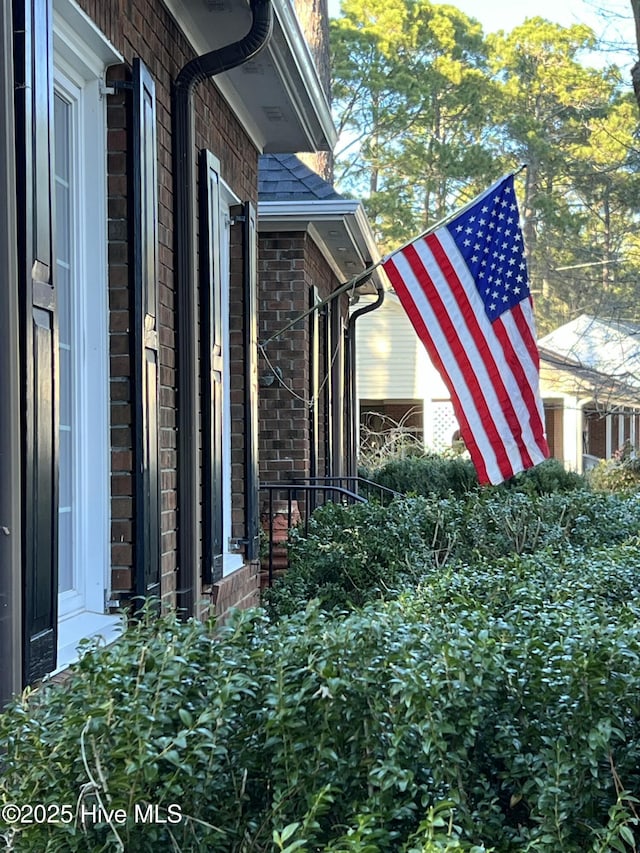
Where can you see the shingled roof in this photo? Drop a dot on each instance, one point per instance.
(282, 177)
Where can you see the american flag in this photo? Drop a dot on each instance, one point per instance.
(465, 288)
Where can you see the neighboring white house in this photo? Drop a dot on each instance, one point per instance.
(589, 380)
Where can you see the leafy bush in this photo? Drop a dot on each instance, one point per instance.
(261, 738)
(354, 554)
(546, 478)
(432, 474)
(444, 474)
(495, 705)
(357, 553)
(501, 522)
(620, 474)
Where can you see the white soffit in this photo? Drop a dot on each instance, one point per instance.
(277, 96)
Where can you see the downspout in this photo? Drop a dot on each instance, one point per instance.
(337, 382)
(10, 477)
(196, 71)
(350, 370)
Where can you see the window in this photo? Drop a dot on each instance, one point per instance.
(216, 201)
(230, 561)
(79, 135)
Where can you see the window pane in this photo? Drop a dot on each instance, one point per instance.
(66, 352)
(65, 552)
(65, 387)
(62, 110)
(63, 285)
(66, 470)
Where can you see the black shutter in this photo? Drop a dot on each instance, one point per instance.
(252, 516)
(39, 344)
(145, 334)
(211, 356)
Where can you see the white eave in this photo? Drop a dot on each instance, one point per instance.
(339, 227)
(277, 97)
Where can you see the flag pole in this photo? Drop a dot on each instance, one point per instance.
(348, 285)
(366, 273)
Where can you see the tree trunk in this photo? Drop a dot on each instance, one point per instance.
(635, 71)
(635, 79)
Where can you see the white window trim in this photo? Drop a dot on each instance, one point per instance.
(231, 561)
(73, 600)
(82, 54)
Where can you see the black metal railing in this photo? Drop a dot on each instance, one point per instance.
(290, 504)
(360, 486)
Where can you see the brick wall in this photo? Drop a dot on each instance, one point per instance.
(120, 319)
(145, 29)
(290, 265)
(284, 294)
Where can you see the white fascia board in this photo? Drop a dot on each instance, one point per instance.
(299, 211)
(299, 72)
(363, 226)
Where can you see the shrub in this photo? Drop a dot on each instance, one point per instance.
(546, 478)
(265, 737)
(620, 474)
(433, 474)
(498, 522)
(444, 474)
(496, 705)
(357, 553)
(354, 554)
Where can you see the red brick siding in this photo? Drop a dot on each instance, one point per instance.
(120, 315)
(284, 294)
(236, 354)
(290, 264)
(241, 589)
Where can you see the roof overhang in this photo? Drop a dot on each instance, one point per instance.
(560, 373)
(277, 96)
(340, 229)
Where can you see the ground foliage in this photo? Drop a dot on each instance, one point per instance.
(620, 474)
(350, 555)
(443, 474)
(483, 697)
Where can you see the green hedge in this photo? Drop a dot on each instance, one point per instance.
(429, 474)
(443, 475)
(354, 554)
(482, 695)
(494, 707)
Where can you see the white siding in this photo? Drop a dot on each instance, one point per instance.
(391, 361)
